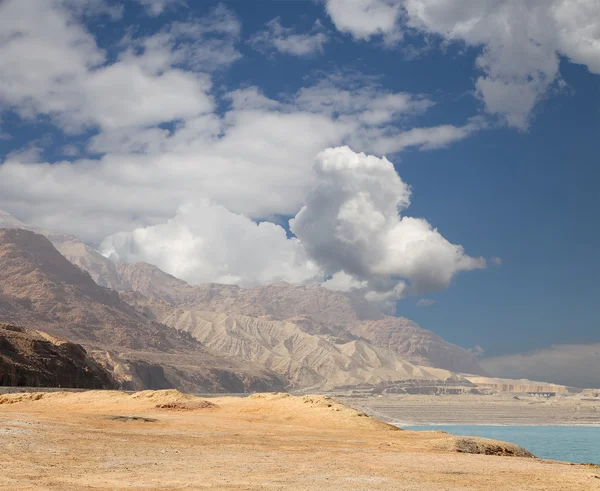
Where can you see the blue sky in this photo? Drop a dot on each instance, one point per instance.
(164, 131)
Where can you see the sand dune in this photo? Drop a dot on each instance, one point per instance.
(156, 440)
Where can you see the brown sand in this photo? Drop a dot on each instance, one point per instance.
(168, 440)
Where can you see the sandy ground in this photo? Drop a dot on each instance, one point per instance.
(74, 441)
(474, 409)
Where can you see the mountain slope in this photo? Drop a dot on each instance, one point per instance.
(315, 310)
(277, 301)
(416, 344)
(306, 360)
(34, 359)
(39, 287)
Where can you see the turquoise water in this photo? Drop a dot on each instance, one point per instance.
(569, 443)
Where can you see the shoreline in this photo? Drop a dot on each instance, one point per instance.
(170, 440)
(502, 410)
(509, 425)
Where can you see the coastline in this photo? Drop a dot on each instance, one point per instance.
(401, 424)
(573, 444)
(168, 440)
(503, 409)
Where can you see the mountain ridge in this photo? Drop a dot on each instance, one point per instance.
(40, 287)
(315, 309)
(336, 316)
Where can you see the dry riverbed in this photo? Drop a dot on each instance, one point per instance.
(168, 440)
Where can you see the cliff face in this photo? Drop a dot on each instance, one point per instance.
(32, 359)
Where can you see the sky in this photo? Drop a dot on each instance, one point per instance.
(439, 158)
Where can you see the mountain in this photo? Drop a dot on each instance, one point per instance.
(101, 269)
(43, 285)
(416, 344)
(332, 315)
(304, 359)
(277, 301)
(33, 359)
(40, 288)
(313, 309)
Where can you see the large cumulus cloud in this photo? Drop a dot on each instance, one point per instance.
(349, 235)
(352, 223)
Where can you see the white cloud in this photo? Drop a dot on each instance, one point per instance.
(351, 97)
(287, 41)
(207, 243)
(427, 138)
(364, 19)
(126, 94)
(157, 7)
(344, 282)
(44, 52)
(520, 41)
(350, 222)
(574, 365)
(249, 162)
(52, 66)
(257, 136)
(425, 302)
(349, 231)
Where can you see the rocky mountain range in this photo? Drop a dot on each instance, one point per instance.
(151, 328)
(40, 288)
(312, 309)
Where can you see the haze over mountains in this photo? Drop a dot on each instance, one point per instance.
(154, 330)
(571, 364)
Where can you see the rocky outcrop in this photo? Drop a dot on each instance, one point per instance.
(485, 446)
(31, 358)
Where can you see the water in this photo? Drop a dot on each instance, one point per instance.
(568, 443)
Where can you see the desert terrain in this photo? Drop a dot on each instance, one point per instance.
(154, 440)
